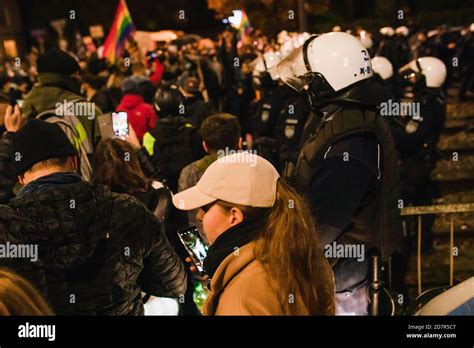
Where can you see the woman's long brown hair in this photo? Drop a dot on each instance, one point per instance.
(289, 251)
(19, 297)
(117, 166)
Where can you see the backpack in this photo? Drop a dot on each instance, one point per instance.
(174, 147)
(77, 135)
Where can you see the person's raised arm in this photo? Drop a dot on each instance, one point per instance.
(13, 122)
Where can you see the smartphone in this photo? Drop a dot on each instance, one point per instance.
(195, 246)
(120, 124)
(12, 97)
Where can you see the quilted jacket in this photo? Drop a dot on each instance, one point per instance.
(96, 250)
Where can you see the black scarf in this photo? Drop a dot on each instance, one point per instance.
(236, 236)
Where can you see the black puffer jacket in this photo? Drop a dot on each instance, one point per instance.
(7, 178)
(96, 250)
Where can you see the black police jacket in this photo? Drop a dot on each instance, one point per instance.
(427, 128)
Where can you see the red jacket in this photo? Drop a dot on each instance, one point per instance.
(157, 73)
(141, 115)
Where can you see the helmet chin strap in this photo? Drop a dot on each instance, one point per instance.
(311, 96)
(316, 99)
(318, 89)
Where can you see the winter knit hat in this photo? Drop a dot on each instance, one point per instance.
(38, 141)
(57, 61)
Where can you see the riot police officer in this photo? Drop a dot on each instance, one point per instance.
(388, 44)
(402, 46)
(417, 139)
(347, 165)
(289, 129)
(383, 72)
(265, 81)
(273, 95)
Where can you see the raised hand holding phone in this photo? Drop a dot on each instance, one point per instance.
(196, 248)
(13, 118)
(120, 124)
(132, 138)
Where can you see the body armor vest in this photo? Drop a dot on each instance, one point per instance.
(377, 224)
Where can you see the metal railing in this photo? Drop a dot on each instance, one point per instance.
(431, 210)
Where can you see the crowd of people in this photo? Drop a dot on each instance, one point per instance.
(277, 149)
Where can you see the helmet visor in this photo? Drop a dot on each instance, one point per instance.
(409, 72)
(292, 70)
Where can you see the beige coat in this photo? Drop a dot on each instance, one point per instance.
(240, 287)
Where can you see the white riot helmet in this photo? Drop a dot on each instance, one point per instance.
(301, 38)
(326, 64)
(402, 30)
(286, 48)
(382, 67)
(366, 39)
(265, 64)
(387, 31)
(282, 36)
(431, 68)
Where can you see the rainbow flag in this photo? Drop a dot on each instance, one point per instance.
(121, 29)
(244, 27)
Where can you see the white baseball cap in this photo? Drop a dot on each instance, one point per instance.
(241, 178)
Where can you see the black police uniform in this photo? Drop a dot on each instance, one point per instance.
(388, 49)
(402, 52)
(289, 129)
(416, 142)
(466, 61)
(268, 110)
(264, 119)
(348, 169)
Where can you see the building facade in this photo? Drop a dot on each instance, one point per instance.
(12, 43)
